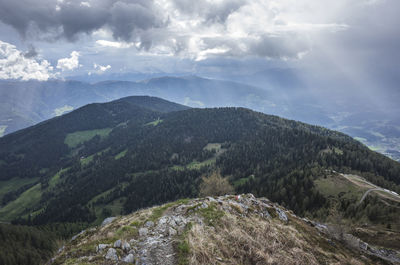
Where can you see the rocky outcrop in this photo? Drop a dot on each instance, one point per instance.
(164, 235)
(107, 221)
(111, 254)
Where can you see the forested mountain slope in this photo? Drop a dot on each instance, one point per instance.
(117, 157)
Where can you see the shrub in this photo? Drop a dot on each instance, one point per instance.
(215, 185)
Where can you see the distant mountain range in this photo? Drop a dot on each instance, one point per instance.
(23, 104)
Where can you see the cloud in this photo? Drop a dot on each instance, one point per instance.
(198, 30)
(31, 53)
(14, 64)
(71, 63)
(70, 18)
(114, 44)
(101, 68)
(274, 29)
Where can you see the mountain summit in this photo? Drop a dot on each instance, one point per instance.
(217, 230)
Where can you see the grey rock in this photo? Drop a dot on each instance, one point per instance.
(126, 246)
(101, 247)
(76, 236)
(163, 220)
(172, 232)
(220, 201)
(179, 220)
(60, 249)
(211, 199)
(320, 227)
(363, 245)
(118, 243)
(307, 221)
(143, 232)
(149, 224)
(172, 222)
(251, 196)
(112, 254)
(129, 258)
(266, 214)
(204, 205)
(282, 215)
(133, 241)
(108, 220)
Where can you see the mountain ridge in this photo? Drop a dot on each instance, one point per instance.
(27, 103)
(218, 230)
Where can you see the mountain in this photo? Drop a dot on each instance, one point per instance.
(26, 103)
(23, 104)
(219, 230)
(114, 158)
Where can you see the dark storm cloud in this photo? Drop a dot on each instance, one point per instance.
(31, 53)
(128, 19)
(70, 18)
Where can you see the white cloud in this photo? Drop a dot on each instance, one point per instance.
(101, 68)
(14, 65)
(69, 63)
(86, 4)
(114, 44)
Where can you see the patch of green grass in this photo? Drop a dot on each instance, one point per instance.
(211, 214)
(183, 248)
(76, 138)
(183, 252)
(338, 151)
(120, 155)
(25, 201)
(103, 194)
(35, 213)
(240, 182)
(159, 211)
(87, 160)
(127, 232)
(115, 207)
(335, 186)
(154, 123)
(14, 184)
(213, 146)
(56, 178)
(196, 165)
(136, 223)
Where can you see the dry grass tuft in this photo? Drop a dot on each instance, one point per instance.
(247, 241)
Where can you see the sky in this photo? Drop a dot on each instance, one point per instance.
(332, 44)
